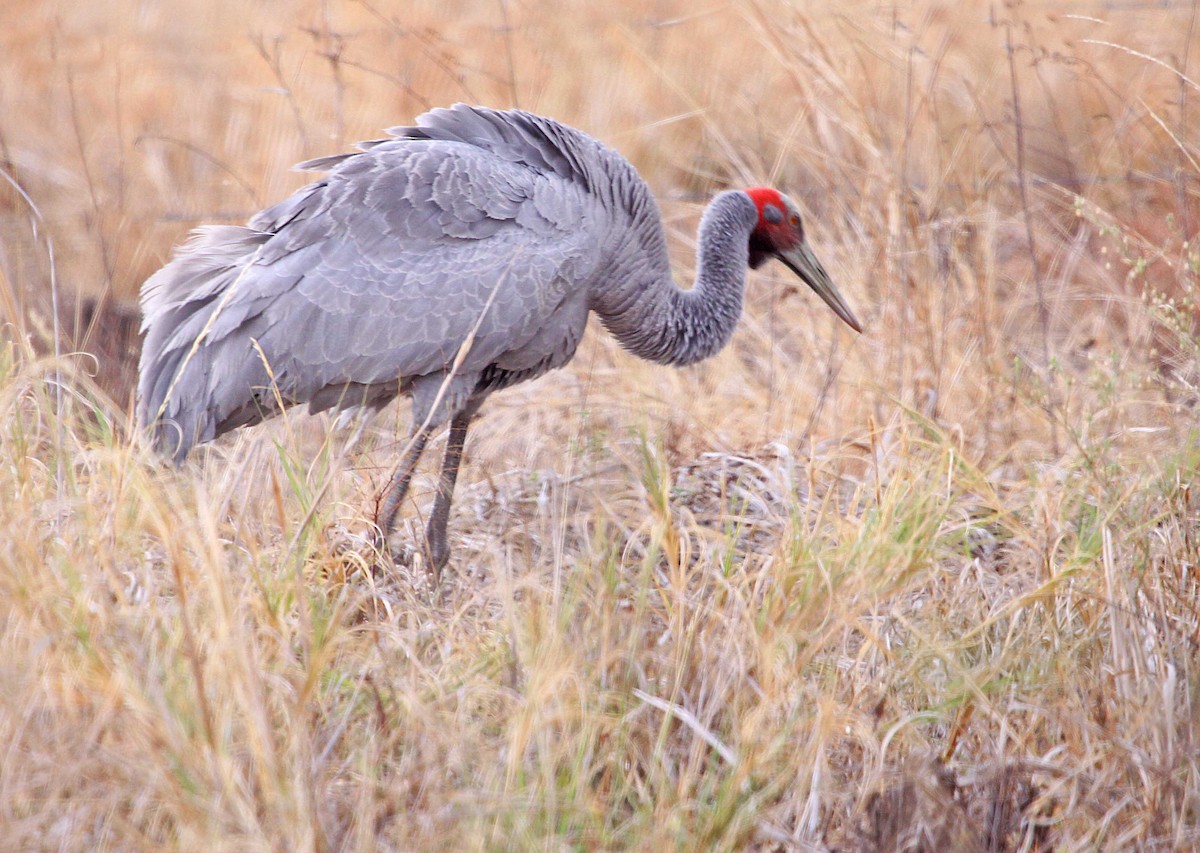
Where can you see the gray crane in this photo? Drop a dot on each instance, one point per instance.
(455, 258)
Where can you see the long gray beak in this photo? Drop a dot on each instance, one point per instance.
(804, 263)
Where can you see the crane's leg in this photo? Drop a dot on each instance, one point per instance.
(397, 486)
(439, 516)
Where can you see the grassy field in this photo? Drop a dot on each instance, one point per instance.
(934, 587)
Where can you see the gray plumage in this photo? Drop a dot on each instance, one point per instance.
(366, 284)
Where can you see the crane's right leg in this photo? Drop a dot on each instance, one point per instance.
(439, 517)
(397, 486)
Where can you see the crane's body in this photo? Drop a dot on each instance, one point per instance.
(458, 257)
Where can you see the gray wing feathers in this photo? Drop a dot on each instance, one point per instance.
(362, 283)
(516, 136)
(177, 302)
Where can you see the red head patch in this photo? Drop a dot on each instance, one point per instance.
(778, 227)
(763, 196)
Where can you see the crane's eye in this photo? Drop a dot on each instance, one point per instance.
(794, 220)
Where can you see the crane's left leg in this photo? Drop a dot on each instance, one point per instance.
(439, 517)
(397, 486)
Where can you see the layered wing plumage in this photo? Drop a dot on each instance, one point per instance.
(367, 283)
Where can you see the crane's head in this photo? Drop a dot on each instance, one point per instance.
(780, 234)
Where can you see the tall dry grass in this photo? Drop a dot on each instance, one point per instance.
(930, 588)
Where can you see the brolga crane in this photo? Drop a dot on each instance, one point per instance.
(453, 259)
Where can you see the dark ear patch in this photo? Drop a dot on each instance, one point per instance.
(772, 214)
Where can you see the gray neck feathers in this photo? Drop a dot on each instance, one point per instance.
(652, 318)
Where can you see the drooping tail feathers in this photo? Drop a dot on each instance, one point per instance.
(192, 383)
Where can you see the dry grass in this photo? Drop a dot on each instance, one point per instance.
(931, 588)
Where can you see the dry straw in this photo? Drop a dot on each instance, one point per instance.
(930, 588)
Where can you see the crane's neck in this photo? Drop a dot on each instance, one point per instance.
(653, 318)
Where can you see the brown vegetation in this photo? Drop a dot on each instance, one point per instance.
(931, 588)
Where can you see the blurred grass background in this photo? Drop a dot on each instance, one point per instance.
(933, 587)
